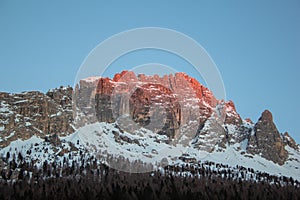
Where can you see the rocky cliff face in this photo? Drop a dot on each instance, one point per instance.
(34, 113)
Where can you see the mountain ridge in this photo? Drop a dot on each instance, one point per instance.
(216, 129)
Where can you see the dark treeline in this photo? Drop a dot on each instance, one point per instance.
(88, 178)
(118, 185)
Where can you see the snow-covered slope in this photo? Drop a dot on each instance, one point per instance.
(104, 141)
(104, 138)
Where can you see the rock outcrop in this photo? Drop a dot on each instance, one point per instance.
(288, 140)
(267, 141)
(232, 117)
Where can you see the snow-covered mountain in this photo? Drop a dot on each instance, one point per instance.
(160, 121)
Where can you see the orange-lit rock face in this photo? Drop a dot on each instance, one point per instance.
(179, 98)
(156, 108)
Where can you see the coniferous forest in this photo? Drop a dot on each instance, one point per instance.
(92, 179)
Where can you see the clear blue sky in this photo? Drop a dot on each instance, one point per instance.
(255, 44)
